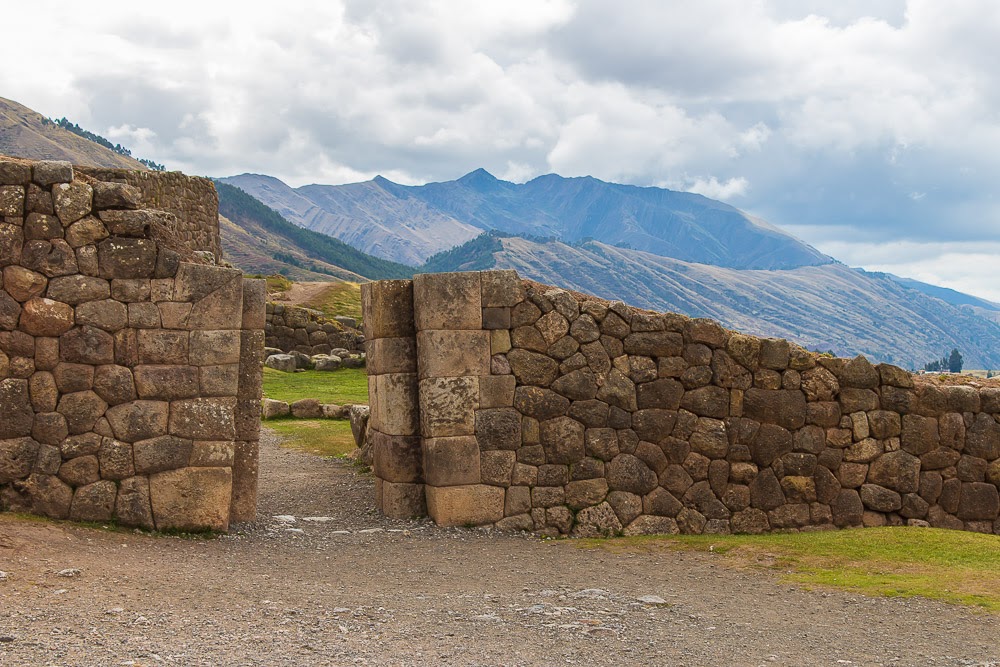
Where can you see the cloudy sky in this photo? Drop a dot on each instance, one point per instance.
(871, 129)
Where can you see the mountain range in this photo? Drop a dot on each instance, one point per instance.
(650, 247)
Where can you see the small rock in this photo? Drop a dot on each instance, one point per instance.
(4, 576)
(651, 599)
(284, 518)
(69, 572)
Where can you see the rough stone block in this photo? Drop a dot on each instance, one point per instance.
(447, 405)
(391, 355)
(156, 346)
(451, 461)
(139, 420)
(497, 391)
(81, 409)
(501, 289)
(453, 353)
(94, 502)
(475, 504)
(394, 403)
(191, 499)
(121, 257)
(388, 309)
(132, 507)
(50, 172)
(78, 289)
(49, 496)
(203, 418)
(166, 383)
(212, 347)
(447, 301)
(143, 316)
(401, 500)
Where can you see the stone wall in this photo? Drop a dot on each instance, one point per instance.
(129, 379)
(192, 200)
(543, 410)
(297, 329)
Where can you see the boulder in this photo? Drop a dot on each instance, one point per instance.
(272, 409)
(281, 362)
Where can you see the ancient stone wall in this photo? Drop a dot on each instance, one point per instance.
(543, 410)
(192, 200)
(297, 329)
(129, 379)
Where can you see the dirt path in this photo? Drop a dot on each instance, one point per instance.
(349, 587)
(300, 293)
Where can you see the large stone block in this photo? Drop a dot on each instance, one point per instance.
(81, 409)
(979, 501)
(397, 458)
(474, 504)
(786, 408)
(897, 470)
(78, 289)
(23, 284)
(402, 500)
(531, 368)
(163, 453)
(139, 420)
(121, 257)
(246, 470)
(394, 403)
(166, 383)
(16, 413)
(114, 384)
(391, 355)
(451, 461)
(72, 201)
(157, 346)
(191, 499)
(453, 353)
(49, 496)
(108, 314)
(87, 345)
(132, 506)
(983, 438)
(17, 458)
(563, 440)
(94, 502)
(447, 406)
(203, 418)
(211, 347)
(447, 301)
(388, 309)
(498, 428)
(14, 173)
(501, 289)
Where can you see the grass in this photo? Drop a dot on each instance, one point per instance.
(951, 566)
(338, 299)
(344, 386)
(324, 437)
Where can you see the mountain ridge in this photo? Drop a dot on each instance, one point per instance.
(415, 222)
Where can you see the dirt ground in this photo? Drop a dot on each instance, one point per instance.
(321, 579)
(302, 292)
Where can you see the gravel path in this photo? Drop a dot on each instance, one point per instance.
(332, 583)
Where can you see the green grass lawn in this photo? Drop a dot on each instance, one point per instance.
(323, 437)
(947, 565)
(347, 385)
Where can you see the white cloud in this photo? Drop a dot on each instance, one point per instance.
(715, 189)
(874, 117)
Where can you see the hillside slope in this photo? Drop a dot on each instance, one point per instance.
(411, 223)
(828, 307)
(23, 134)
(258, 240)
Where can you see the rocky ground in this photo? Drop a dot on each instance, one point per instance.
(320, 579)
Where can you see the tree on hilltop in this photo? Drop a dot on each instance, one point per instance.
(955, 361)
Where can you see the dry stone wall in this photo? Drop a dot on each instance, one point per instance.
(543, 410)
(192, 201)
(129, 379)
(297, 329)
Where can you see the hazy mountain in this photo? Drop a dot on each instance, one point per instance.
(826, 307)
(371, 216)
(25, 133)
(257, 239)
(410, 223)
